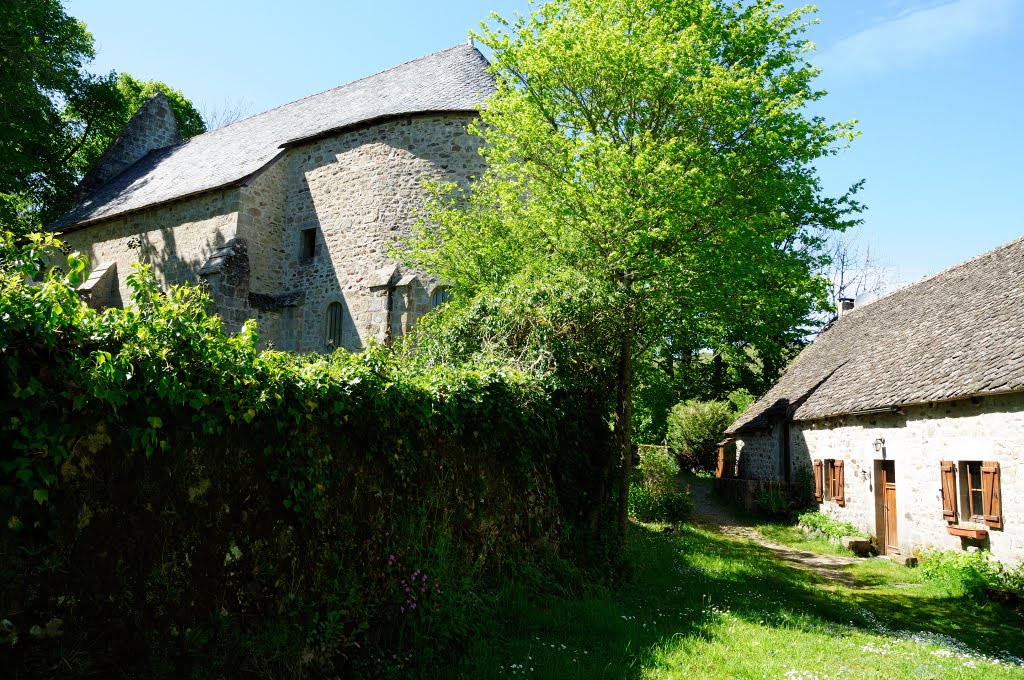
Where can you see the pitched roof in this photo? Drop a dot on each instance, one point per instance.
(956, 334)
(455, 79)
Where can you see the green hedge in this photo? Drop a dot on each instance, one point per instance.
(176, 503)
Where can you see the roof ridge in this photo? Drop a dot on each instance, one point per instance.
(927, 278)
(455, 79)
(338, 87)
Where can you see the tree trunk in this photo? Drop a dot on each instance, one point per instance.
(623, 432)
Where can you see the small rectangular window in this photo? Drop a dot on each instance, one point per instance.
(308, 245)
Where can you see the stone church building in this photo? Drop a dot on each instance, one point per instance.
(906, 416)
(288, 215)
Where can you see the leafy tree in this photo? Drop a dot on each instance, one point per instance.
(694, 429)
(656, 155)
(42, 53)
(56, 117)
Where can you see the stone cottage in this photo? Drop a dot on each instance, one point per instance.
(289, 215)
(907, 414)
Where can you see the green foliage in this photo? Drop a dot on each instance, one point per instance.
(820, 523)
(773, 501)
(56, 117)
(188, 505)
(658, 468)
(695, 428)
(972, 573)
(803, 488)
(655, 497)
(654, 161)
(964, 573)
(649, 505)
(653, 397)
(740, 399)
(41, 60)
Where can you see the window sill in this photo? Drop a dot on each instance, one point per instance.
(967, 532)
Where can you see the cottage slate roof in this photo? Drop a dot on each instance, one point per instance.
(452, 80)
(956, 334)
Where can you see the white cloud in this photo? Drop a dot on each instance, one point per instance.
(917, 36)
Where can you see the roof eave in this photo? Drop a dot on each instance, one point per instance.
(896, 408)
(369, 122)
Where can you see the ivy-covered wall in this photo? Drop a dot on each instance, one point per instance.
(175, 503)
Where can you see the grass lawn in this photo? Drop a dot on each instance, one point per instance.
(700, 605)
(790, 535)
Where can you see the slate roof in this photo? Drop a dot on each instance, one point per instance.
(455, 79)
(956, 334)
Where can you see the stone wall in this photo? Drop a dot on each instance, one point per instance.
(757, 455)
(358, 191)
(177, 239)
(916, 440)
(355, 193)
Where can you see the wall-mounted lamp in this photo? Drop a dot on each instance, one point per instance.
(880, 446)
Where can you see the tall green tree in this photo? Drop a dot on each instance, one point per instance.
(42, 55)
(657, 154)
(56, 117)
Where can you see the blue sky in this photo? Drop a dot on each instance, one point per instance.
(937, 87)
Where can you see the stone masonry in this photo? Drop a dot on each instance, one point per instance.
(290, 217)
(358, 193)
(916, 440)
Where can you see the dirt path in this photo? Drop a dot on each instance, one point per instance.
(711, 512)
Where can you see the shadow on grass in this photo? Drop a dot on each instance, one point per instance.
(681, 586)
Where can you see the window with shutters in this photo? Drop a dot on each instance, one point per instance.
(980, 493)
(332, 325)
(829, 481)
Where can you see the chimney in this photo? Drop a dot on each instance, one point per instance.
(845, 305)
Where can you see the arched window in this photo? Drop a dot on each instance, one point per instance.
(440, 296)
(332, 328)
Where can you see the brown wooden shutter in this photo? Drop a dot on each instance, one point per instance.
(992, 496)
(948, 472)
(818, 495)
(839, 495)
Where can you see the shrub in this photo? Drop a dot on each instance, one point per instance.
(804, 488)
(658, 468)
(694, 430)
(641, 502)
(678, 506)
(832, 529)
(773, 501)
(659, 506)
(176, 503)
(963, 573)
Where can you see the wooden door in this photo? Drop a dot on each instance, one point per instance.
(890, 542)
